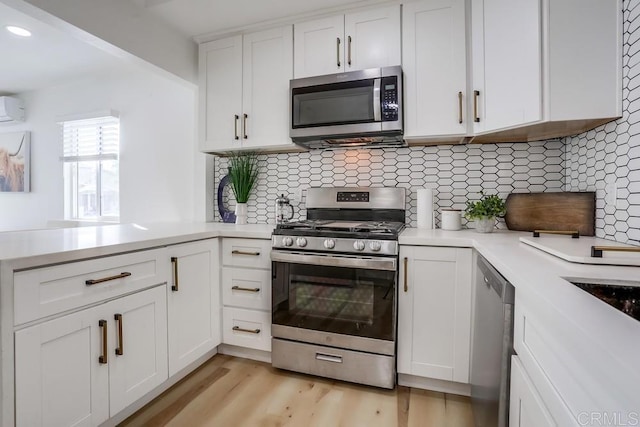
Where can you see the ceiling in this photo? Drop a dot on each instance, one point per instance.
(198, 17)
(47, 58)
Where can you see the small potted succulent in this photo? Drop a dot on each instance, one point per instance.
(485, 211)
(243, 176)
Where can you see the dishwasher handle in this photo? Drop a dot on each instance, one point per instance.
(492, 278)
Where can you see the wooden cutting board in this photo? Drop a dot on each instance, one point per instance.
(552, 211)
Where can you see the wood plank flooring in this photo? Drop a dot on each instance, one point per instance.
(230, 391)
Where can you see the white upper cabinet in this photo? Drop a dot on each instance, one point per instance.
(545, 68)
(356, 41)
(244, 91)
(435, 69)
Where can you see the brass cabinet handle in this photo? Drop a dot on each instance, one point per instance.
(235, 127)
(573, 233)
(103, 358)
(244, 126)
(107, 279)
(238, 252)
(596, 251)
(460, 107)
(406, 273)
(476, 95)
(120, 347)
(251, 331)
(338, 51)
(349, 51)
(238, 288)
(174, 262)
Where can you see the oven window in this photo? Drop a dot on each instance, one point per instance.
(336, 104)
(335, 299)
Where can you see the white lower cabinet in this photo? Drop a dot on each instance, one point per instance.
(526, 408)
(434, 312)
(79, 369)
(193, 302)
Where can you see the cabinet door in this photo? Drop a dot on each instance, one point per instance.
(267, 69)
(138, 361)
(526, 408)
(434, 52)
(59, 378)
(193, 302)
(220, 94)
(372, 38)
(434, 313)
(507, 70)
(319, 47)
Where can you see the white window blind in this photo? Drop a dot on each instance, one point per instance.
(91, 139)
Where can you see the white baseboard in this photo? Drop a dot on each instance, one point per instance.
(434, 385)
(246, 353)
(138, 404)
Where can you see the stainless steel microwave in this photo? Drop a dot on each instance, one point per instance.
(359, 108)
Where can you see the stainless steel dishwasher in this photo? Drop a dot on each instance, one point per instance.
(492, 347)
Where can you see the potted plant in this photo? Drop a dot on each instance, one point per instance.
(243, 175)
(485, 211)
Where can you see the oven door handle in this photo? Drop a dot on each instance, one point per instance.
(367, 263)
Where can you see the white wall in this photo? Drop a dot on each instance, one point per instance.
(159, 174)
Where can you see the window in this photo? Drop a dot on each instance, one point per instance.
(91, 170)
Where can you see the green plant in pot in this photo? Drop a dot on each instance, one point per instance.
(484, 211)
(243, 176)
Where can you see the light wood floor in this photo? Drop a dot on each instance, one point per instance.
(229, 391)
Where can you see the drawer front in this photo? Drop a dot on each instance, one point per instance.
(47, 291)
(252, 253)
(246, 328)
(245, 288)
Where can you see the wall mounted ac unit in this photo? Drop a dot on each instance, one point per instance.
(11, 110)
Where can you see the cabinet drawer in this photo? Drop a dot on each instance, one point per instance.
(47, 291)
(246, 288)
(254, 253)
(246, 328)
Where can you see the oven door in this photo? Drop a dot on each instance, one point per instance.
(338, 300)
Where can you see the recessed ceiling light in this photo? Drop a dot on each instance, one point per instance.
(18, 31)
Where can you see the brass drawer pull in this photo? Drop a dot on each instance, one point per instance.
(238, 288)
(406, 273)
(103, 358)
(596, 251)
(238, 252)
(120, 348)
(107, 279)
(460, 107)
(251, 331)
(575, 234)
(174, 262)
(476, 95)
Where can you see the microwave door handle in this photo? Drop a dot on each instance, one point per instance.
(377, 107)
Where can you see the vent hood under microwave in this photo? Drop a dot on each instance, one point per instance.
(355, 109)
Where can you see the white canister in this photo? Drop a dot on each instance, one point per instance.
(451, 219)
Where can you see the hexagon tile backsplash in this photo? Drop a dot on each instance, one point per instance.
(456, 172)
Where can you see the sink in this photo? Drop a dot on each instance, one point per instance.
(624, 295)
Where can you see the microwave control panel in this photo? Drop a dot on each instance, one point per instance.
(389, 99)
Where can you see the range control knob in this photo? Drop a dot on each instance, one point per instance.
(358, 245)
(375, 246)
(287, 241)
(329, 243)
(301, 241)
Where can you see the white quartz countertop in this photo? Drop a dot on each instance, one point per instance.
(26, 249)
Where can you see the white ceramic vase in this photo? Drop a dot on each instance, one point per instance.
(485, 224)
(241, 213)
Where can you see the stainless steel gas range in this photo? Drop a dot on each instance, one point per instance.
(334, 286)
